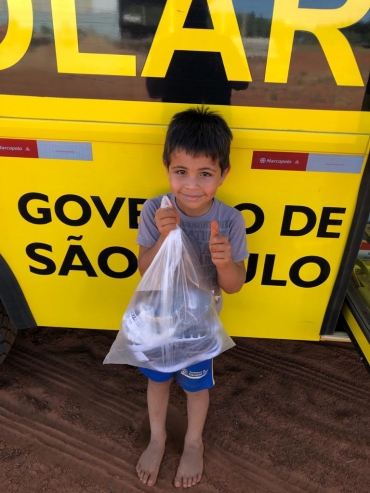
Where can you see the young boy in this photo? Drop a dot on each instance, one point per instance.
(196, 157)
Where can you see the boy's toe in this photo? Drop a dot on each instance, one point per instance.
(177, 482)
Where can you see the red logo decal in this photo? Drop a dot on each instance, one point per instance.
(18, 148)
(291, 161)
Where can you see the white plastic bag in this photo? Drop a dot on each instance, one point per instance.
(171, 321)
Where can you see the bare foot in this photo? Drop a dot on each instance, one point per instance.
(190, 468)
(148, 466)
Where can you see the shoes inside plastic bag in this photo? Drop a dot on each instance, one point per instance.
(171, 321)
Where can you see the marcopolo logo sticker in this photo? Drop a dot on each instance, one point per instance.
(45, 149)
(299, 161)
(279, 160)
(18, 148)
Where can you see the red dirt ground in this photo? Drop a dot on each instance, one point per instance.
(285, 417)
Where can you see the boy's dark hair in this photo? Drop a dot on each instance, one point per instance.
(199, 132)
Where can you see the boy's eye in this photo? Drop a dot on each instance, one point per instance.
(205, 174)
(181, 172)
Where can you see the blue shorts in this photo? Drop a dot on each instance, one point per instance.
(192, 379)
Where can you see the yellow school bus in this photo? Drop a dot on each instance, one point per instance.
(87, 89)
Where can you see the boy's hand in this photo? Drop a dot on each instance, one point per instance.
(166, 220)
(219, 246)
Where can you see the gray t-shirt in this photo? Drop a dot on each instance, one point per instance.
(231, 224)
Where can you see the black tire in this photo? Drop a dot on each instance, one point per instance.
(7, 333)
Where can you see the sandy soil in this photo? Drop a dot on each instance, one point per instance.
(285, 417)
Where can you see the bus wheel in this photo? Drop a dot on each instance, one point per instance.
(7, 333)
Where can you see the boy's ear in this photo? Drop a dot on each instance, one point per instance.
(225, 173)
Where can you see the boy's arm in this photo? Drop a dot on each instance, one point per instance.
(165, 220)
(146, 255)
(230, 274)
(231, 277)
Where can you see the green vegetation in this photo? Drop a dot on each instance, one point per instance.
(253, 26)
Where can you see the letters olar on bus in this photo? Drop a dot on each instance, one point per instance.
(224, 38)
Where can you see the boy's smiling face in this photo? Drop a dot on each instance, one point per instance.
(194, 182)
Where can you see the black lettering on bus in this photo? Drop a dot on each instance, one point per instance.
(294, 272)
(133, 212)
(268, 269)
(104, 258)
(45, 214)
(251, 267)
(85, 210)
(259, 216)
(108, 217)
(326, 221)
(68, 265)
(31, 251)
(288, 216)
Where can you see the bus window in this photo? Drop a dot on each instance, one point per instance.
(99, 50)
(361, 271)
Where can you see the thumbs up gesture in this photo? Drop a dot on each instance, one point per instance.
(219, 247)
